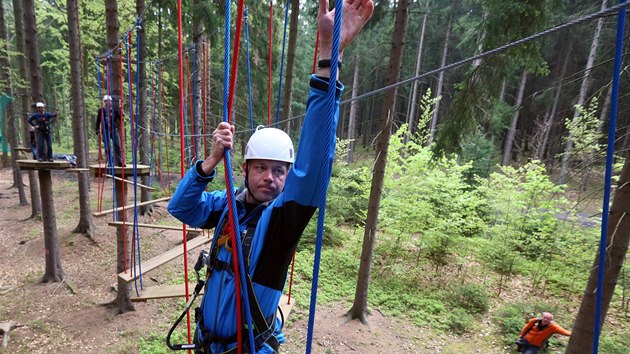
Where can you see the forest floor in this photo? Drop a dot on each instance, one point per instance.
(69, 317)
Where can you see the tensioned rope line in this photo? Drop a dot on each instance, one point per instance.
(621, 21)
(495, 50)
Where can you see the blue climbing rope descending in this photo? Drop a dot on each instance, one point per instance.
(330, 142)
(612, 127)
(229, 180)
(284, 41)
(136, 230)
(110, 131)
(249, 79)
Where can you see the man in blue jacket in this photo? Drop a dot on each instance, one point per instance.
(282, 193)
(41, 120)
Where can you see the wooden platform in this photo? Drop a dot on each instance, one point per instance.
(150, 189)
(157, 261)
(33, 165)
(141, 170)
(170, 291)
(21, 149)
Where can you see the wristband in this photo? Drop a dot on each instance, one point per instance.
(325, 63)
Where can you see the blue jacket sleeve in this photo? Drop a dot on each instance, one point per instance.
(313, 162)
(31, 118)
(191, 204)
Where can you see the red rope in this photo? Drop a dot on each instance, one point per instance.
(204, 98)
(269, 63)
(180, 69)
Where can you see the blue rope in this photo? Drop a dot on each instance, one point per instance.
(194, 95)
(612, 127)
(136, 229)
(284, 41)
(230, 182)
(249, 80)
(327, 168)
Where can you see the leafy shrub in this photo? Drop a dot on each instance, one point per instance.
(471, 297)
(460, 321)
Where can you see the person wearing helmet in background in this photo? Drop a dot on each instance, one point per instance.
(41, 120)
(109, 117)
(282, 191)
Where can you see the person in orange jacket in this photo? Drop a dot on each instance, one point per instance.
(537, 331)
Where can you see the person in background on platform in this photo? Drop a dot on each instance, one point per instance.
(41, 121)
(110, 117)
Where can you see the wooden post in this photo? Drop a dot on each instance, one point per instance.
(53, 272)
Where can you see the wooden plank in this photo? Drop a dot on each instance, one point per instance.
(162, 292)
(151, 226)
(158, 260)
(33, 165)
(77, 169)
(21, 148)
(285, 307)
(151, 189)
(170, 291)
(148, 202)
(100, 169)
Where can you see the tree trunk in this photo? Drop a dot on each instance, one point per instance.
(440, 83)
(111, 24)
(353, 112)
(288, 86)
(359, 308)
(86, 224)
(143, 137)
(123, 297)
(11, 132)
(53, 272)
(617, 247)
(31, 52)
(540, 150)
(564, 169)
(412, 110)
(509, 141)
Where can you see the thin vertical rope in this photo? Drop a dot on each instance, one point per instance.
(270, 54)
(327, 167)
(136, 229)
(180, 69)
(249, 79)
(284, 41)
(204, 98)
(99, 194)
(165, 130)
(610, 150)
(194, 103)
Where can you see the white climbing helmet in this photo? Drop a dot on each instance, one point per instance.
(40, 105)
(107, 98)
(270, 144)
